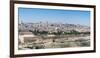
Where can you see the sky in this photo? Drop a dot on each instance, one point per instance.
(34, 15)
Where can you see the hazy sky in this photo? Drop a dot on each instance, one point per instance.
(54, 16)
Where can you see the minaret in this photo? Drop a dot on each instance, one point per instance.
(19, 21)
(22, 22)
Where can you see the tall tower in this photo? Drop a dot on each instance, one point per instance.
(20, 22)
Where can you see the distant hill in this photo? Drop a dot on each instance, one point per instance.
(52, 27)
